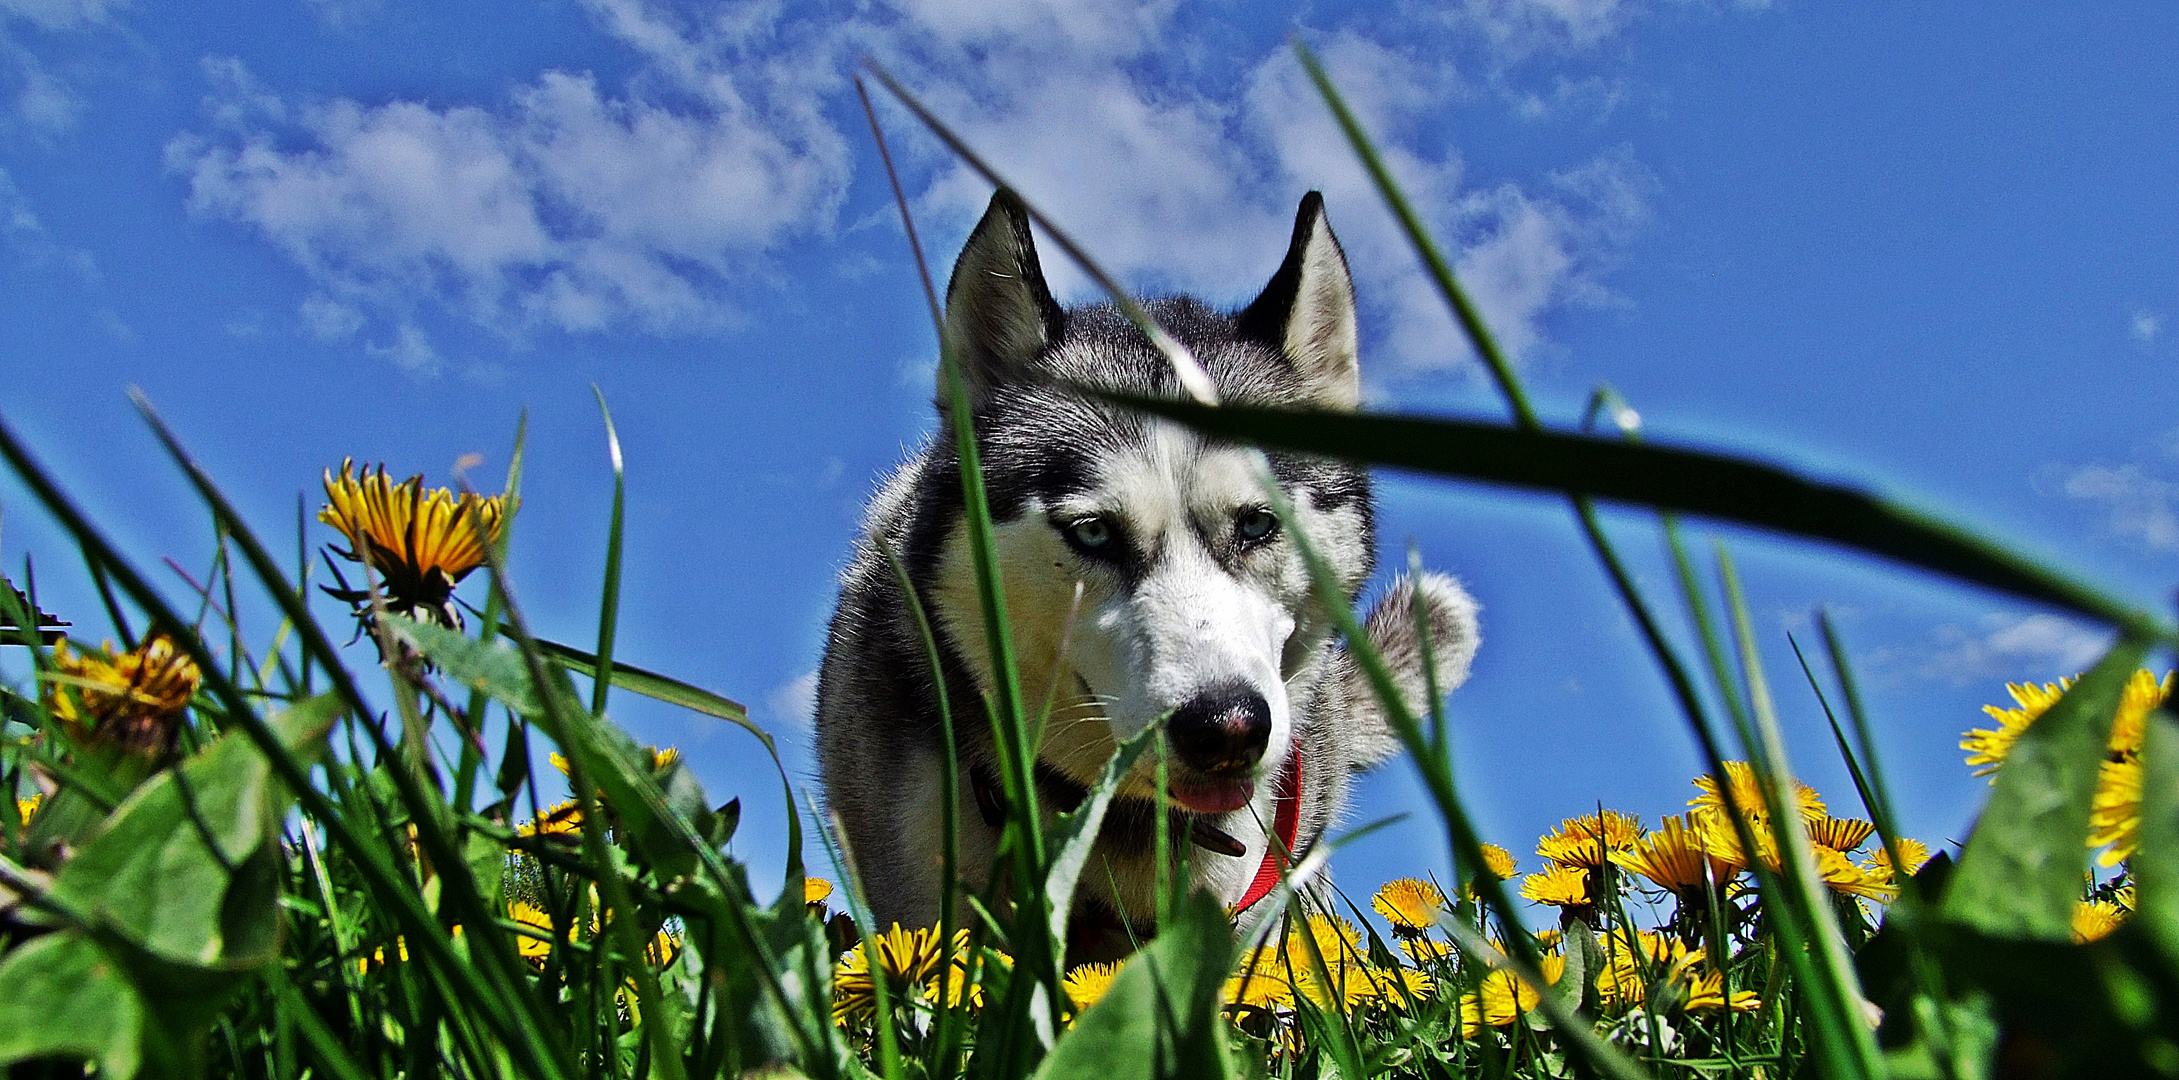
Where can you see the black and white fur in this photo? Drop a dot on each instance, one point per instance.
(1189, 598)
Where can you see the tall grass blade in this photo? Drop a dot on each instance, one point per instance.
(609, 597)
(1687, 481)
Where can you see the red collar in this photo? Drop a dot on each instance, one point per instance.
(1285, 825)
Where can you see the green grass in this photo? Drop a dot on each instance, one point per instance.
(279, 875)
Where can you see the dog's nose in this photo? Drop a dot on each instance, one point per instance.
(1221, 731)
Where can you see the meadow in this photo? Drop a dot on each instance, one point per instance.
(228, 857)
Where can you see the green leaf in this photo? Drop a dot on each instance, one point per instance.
(2156, 855)
(62, 996)
(2020, 874)
(1161, 1016)
(1074, 834)
(176, 870)
(1687, 481)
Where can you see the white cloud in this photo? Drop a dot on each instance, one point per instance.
(60, 14)
(574, 206)
(2137, 505)
(1518, 28)
(1174, 185)
(794, 702)
(2002, 647)
(2146, 325)
(39, 99)
(28, 245)
(565, 206)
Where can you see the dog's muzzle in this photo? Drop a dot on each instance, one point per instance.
(1222, 732)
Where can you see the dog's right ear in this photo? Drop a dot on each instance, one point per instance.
(999, 313)
(1307, 311)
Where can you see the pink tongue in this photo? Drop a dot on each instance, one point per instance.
(1215, 797)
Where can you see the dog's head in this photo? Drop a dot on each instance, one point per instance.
(1147, 572)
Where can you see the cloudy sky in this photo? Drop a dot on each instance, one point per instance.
(1934, 251)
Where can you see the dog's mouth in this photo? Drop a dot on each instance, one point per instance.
(1212, 795)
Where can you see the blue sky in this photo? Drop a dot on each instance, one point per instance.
(1930, 249)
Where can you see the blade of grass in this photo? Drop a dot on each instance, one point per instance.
(949, 783)
(1838, 1006)
(609, 602)
(1438, 780)
(1687, 481)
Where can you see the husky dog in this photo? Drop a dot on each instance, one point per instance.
(1146, 575)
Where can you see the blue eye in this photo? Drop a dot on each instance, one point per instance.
(1255, 526)
(1089, 534)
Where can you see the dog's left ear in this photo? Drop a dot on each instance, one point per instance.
(1394, 631)
(1307, 311)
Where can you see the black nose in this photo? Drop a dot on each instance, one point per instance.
(1223, 730)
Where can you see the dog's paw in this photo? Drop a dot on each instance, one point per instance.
(1450, 625)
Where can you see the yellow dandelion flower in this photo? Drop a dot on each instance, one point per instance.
(1722, 841)
(130, 699)
(1425, 950)
(2115, 819)
(1839, 834)
(1263, 982)
(1549, 940)
(2093, 919)
(1397, 986)
(421, 543)
(1503, 997)
(1629, 961)
(1411, 905)
(1498, 861)
(1879, 865)
(25, 809)
(815, 890)
(907, 959)
(1840, 875)
(662, 758)
(1987, 747)
(1706, 993)
(1559, 886)
(1335, 938)
(1748, 794)
(1352, 984)
(1588, 841)
(1087, 984)
(564, 818)
(2143, 693)
(1677, 857)
(533, 948)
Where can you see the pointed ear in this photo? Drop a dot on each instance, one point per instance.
(1307, 311)
(999, 313)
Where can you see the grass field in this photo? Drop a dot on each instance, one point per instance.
(229, 857)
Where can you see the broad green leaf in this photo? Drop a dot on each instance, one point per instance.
(2156, 855)
(1074, 834)
(2020, 874)
(173, 869)
(62, 996)
(1161, 1016)
(1687, 481)
(493, 667)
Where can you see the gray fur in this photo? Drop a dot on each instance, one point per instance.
(1177, 600)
